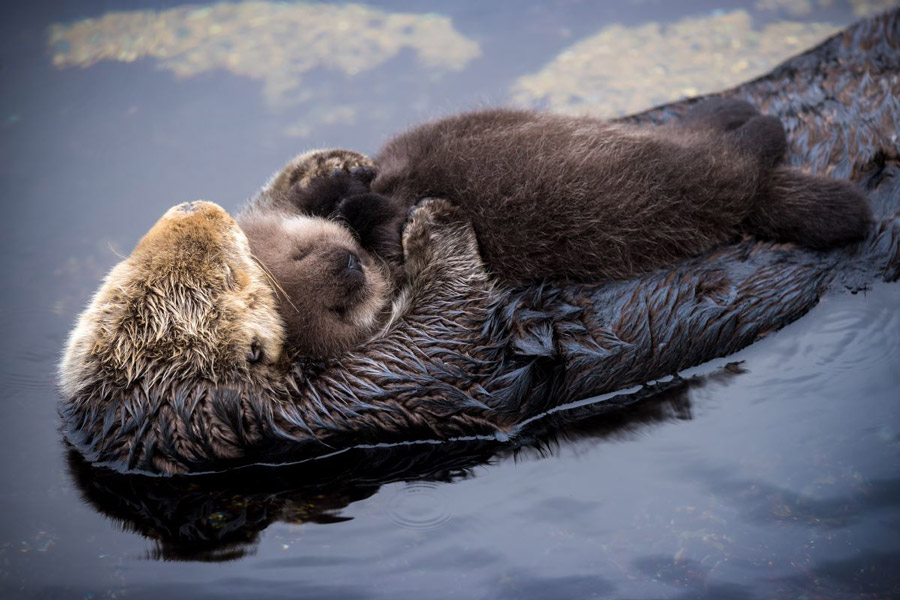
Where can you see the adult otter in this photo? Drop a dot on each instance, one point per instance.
(467, 358)
(175, 512)
(550, 196)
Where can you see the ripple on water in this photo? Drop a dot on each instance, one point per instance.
(855, 326)
(855, 334)
(419, 505)
(29, 355)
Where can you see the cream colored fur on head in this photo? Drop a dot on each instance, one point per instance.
(189, 301)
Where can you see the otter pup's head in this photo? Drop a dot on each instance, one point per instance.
(334, 294)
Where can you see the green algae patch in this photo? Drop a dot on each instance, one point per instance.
(272, 42)
(625, 69)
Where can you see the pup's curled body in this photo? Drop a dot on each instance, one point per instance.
(579, 198)
(564, 198)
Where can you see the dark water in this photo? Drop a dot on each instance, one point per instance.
(775, 478)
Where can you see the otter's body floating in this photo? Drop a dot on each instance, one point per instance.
(175, 366)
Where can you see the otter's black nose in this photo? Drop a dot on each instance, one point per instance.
(353, 262)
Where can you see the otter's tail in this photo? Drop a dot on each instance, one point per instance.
(813, 211)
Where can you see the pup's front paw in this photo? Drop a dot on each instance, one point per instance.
(377, 222)
(325, 163)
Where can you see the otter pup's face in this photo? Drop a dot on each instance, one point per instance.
(334, 294)
(190, 304)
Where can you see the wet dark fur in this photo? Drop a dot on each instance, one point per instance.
(175, 512)
(473, 359)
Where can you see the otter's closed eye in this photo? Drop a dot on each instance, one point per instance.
(255, 354)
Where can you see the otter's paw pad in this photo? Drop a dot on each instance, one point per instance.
(326, 163)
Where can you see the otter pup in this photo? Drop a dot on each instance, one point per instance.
(334, 282)
(558, 197)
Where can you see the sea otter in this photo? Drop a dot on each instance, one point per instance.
(550, 197)
(177, 364)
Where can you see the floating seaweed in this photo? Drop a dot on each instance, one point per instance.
(622, 69)
(273, 42)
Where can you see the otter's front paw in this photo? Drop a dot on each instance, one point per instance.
(325, 163)
(377, 222)
(438, 236)
(324, 196)
(427, 221)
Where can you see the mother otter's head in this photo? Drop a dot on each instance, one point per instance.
(187, 323)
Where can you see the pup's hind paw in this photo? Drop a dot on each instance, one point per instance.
(816, 212)
(762, 137)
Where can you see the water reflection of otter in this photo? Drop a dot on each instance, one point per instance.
(219, 517)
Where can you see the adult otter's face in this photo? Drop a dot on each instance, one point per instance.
(333, 293)
(190, 306)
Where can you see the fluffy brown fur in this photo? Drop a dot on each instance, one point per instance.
(333, 293)
(550, 196)
(579, 198)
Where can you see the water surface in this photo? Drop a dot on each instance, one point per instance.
(777, 477)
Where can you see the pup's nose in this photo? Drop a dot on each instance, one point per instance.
(353, 262)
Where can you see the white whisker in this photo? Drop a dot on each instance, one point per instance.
(274, 282)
